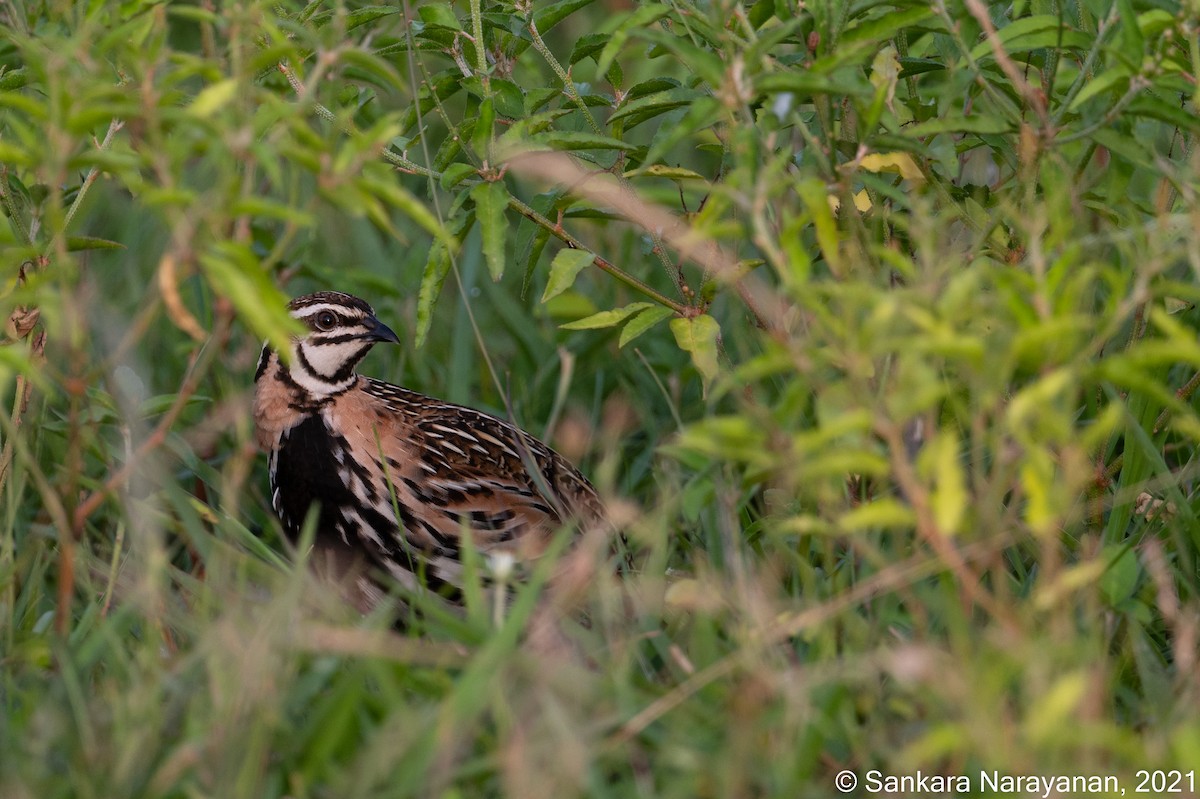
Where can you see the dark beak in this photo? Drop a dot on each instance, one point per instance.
(378, 331)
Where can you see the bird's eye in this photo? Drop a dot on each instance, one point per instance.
(326, 320)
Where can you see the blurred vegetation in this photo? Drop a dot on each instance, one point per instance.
(875, 322)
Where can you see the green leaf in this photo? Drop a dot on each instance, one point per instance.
(1120, 578)
(949, 499)
(1155, 21)
(880, 29)
(605, 319)
(260, 206)
(481, 137)
(234, 273)
(651, 86)
(491, 199)
(27, 105)
(874, 515)
(816, 199)
(565, 267)
(439, 15)
(379, 71)
(698, 336)
(546, 18)
(437, 266)
(1016, 32)
(1109, 79)
(532, 237)
(663, 171)
(536, 98)
(700, 61)
(571, 140)
(1131, 42)
(641, 109)
(919, 66)
(510, 100)
(367, 14)
(402, 200)
(699, 117)
(807, 84)
(456, 173)
(643, 322)
(15, 156)
(645, 15)
(1148, 105)
(587, 45)
(14, 79)
(957, 123)
(76, 243)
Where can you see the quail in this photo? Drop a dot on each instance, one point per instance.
(399, 481)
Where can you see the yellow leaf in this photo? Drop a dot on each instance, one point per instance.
(885, 72)
(1037, 478)
(862, 201)
(815, 197)
(698, 337)
(212, 98)
(893, 162)
(884, 512)
(1054, 716)
(949, 499)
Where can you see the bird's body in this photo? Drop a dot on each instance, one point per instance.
(400, 478)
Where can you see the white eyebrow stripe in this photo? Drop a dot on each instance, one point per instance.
(309, 310)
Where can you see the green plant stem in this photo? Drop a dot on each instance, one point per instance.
(1085, 70)
(568, 84)
(1001, 101)
(113, 127)
(201, 359)
(1136, 85)
(607, 266)
(21, 396)
(569, 87)
(1032, 98)
(348, 128)
(12, 206)
(477, 32)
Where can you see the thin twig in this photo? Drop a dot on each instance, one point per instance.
(1036, 100)
(191, 382)
(562, 235)
(927, 527)
(113, 127)
(348, 128)
(564, 78)
(477, 34)
(603, 189)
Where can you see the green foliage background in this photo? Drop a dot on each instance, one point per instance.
(875, 322)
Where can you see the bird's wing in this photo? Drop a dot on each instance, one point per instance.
(450, 468)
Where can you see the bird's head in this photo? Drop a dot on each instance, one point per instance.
(341, 330)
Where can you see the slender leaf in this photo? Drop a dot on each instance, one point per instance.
(491, 200)
(565, 267)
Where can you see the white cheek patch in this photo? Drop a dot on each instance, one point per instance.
(321, 362)
(327, 359)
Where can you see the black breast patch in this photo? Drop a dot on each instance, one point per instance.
(306, 472)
